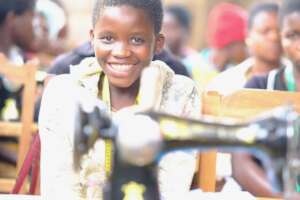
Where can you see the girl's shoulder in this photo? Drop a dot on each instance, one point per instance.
(60, 82)
(183, 83)
(172, 81)
(66, 86)
(180, 96)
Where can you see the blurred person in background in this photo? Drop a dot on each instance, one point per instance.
(227, 29)
(226, 33)
(17, 36)
(51, 27)
(285, 78)
(177, 29)
(263, 42)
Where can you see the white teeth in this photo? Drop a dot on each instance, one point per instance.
(121, 68)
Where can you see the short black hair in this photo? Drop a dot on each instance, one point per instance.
(288, 7)
(153, 8)
(182, 15)
(259, 8)
(18, 7)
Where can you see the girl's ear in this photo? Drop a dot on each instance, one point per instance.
(92, 36)
(160, 42)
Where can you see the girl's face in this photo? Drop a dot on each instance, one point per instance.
(124, 42)
(290, 37)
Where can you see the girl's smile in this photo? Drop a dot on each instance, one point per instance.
(120, 70)
(124, 47)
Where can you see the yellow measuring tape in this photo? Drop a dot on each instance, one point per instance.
(108, 143)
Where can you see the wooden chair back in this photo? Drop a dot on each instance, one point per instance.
(242, 104)
(24, 75)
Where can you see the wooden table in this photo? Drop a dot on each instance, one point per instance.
(30, 197)
(19, 197)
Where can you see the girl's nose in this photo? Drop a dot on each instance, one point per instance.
(121, 50)
(274, 35)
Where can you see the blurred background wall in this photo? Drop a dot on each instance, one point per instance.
(80, 18)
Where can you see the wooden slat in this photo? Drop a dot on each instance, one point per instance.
(211, 102)
(13, 129)
(10, 128)
(12, 71)
(250, 102)
(6, 184)
(23, 130)
(27, 116)
(207, 174)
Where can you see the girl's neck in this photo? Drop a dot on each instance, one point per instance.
(5, 42)
(262, 67)
(123, 97)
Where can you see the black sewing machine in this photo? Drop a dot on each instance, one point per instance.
(273, 137)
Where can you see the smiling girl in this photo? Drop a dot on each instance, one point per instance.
(125, 36)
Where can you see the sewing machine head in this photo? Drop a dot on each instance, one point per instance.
(140, 140)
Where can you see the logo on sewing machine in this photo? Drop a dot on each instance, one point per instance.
(174, 129)
(133, 191)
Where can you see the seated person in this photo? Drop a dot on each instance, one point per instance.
(17, 36)
(177, 29)
(125, 36)
(263, 42)
(226, 47)
(51, 26)
(285, 78)
(61, 65)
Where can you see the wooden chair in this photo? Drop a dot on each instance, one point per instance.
(241, 104)
(23, 130)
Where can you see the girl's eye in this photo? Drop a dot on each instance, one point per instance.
(293, 35)
(137, 40)
(106, 39)
(265, 31)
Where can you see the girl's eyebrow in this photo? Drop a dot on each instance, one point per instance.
(138, 33)
(104, 32)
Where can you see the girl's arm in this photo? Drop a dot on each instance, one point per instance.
(177, 169)
(56, 128)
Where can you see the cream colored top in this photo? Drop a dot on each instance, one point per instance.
(175, 94)
(232, 79)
